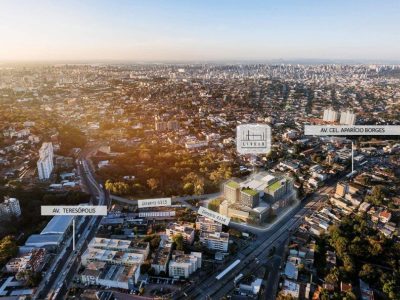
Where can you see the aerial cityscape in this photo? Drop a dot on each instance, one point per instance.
(201, 177)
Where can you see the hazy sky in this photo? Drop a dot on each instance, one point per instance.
(199, 30)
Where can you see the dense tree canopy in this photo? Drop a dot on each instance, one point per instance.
(367, 254)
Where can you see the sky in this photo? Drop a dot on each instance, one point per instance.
(199, 30)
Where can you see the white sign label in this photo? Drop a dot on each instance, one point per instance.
(154, 202)
(213, 215)
(87, 210)
(352, 130)
(253, 139)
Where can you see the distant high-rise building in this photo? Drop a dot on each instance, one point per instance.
(161, 126)
(45, 163)
(330, 115)
(173, 125)
(347, 118)
(10, 207)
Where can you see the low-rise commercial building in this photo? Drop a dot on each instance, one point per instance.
(110, 276)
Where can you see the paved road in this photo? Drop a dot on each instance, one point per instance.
(273, 274)
(57, 286)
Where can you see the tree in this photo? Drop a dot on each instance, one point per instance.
(155, 242)
(348, 264)
(153, 183)
(188, 188)
(8, 249)
(350, 295)
(333, 276)
(197, 181)
(389, 288)
(376, 197)
(118, 188)
(223, 172)
(214, 204)
(367, 273)
(145, 268)
(340, 245)
(178, 240)
(70, 137)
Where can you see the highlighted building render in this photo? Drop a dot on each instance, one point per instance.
(256, 198)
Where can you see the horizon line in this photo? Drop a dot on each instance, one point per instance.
(205, 61)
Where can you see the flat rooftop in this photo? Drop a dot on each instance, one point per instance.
(57, 225)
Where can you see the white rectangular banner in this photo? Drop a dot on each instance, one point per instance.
(213, 215)
(86, 210)
(154, 202)
(339, 130)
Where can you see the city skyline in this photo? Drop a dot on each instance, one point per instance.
(144, 31)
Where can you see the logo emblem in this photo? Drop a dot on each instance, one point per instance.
(253, 139)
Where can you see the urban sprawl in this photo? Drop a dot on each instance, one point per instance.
(188, 217)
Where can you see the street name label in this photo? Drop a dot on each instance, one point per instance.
(351, 130)
(87, 210)
(213, 215)
(154, 202)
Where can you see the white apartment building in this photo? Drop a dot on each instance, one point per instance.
(182, 265)
(347, 118)
(185, 230)
(206, 224)
(10, 207)
(330, 115)
(215, 240)
(45, 163)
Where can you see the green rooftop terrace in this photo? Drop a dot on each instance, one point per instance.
(250, 192)
(233, 184)
(276, 185)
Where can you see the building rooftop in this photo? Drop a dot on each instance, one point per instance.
(114, 256)
(49, 239)
(250, 192)
(57, 225)
(217, 236)
(233, 184)
(276, 185)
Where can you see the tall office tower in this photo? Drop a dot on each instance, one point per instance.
(347, 118)
(45, 162)
(10, 207)
(330, 115)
